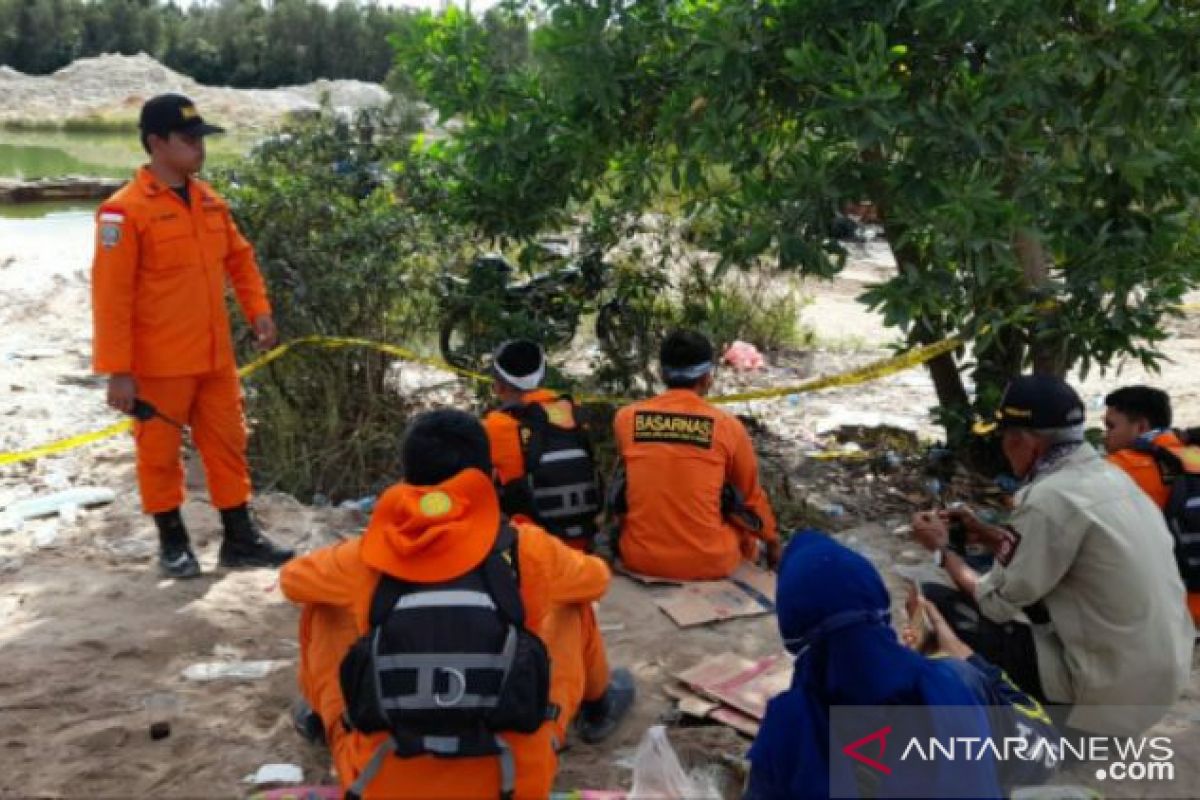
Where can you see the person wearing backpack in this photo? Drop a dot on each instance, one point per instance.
(1139, 439)
(541, 452)
(687, 494)
(426, 645)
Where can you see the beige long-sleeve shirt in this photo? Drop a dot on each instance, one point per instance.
(1094, 550)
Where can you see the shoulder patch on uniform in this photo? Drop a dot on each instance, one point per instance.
(669, 428)
(1007, 548)
(110, 232)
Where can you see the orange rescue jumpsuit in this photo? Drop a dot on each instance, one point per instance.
(158, 301)
(336, 584)
(679, 451)
(1144, 470)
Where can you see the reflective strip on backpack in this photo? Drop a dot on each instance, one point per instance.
(1192, 502)
(442, 745)
(461, 598)
(385, 749)
(455, 665)
(563, 455)
(508, 769)
(573, 499)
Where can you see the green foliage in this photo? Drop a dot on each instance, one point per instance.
(229, 42)
(349, 238)
(1035, 162)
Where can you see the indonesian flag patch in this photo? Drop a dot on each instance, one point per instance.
(110, 227)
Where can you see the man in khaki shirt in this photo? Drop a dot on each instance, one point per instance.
(1084, 606)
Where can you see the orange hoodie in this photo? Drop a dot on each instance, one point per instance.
(678, 451)
(430, 534)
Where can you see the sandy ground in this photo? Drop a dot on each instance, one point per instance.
(89, 635)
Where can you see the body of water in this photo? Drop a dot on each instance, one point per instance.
(29, 155)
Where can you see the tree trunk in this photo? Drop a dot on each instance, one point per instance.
(1046, 350)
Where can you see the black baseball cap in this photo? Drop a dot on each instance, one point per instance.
(165, 113)
(1036, 402)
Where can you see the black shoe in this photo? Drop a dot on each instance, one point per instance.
(175, 558)
(307, 722)
(180, 563)
(244, 545)
(599, 718)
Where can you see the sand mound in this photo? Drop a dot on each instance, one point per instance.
(115, 86)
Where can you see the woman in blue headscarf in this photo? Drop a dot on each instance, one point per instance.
(833, 615)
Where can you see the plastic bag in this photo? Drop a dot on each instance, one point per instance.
(744, 357)
(658, 775)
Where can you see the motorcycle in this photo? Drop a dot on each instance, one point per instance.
(486, 307)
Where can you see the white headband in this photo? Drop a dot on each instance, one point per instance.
(527, 382)
(692, 373)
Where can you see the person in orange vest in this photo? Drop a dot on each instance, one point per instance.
(423, 605)
(541, 452)
(1137, 431)
(692, 506)
(166, 245)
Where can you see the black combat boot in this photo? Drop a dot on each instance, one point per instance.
(245, 546)
(175, 557)
(599, 718)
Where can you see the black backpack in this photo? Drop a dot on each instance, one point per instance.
(1181, 473)
(561, 488)
(446, 667)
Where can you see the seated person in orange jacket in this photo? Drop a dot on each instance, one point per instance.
(432, 548)
(693, 507)
(541, 454)
(1135, 417)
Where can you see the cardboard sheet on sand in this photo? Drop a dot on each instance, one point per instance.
(744, 685)
(748, 592)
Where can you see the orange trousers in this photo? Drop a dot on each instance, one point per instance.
(578, 664)
(211, 406)
(1194, 606)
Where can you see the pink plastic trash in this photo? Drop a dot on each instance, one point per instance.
(743, 356)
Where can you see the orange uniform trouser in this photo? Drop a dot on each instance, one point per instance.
(211, 406)
(1194, 606)
(579, 666)
(578, 662)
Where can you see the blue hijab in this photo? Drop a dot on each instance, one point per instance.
(833, 616)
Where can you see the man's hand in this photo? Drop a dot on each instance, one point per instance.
(774, 553)
(265, 334)
(947, 640)
(929, 529)
(122, 391)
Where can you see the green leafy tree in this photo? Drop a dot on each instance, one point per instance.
(349, 237)
(1035, 163)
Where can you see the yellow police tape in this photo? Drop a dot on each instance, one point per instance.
(869, 372)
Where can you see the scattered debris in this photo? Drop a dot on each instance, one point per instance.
(232, 670)
(80, 496)
(276, 773)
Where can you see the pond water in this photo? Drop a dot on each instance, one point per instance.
(29, 155)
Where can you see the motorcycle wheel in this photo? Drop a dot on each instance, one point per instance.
(620, 336)
(461, 340)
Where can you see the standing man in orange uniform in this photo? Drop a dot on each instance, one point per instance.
(166, 246)
(693, 507)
